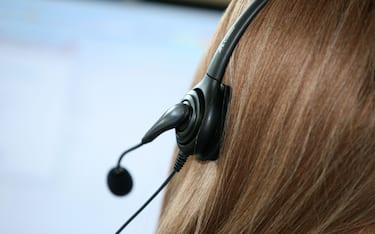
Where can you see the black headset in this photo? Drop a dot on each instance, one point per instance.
(198, 119)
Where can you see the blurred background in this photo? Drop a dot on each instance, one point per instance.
(80, 81)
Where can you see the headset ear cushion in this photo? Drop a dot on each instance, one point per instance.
(210, 136)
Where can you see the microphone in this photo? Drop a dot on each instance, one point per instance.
(119, 180)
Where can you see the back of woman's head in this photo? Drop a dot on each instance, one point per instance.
(298, 154)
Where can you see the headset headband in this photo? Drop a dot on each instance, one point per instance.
(219, 62)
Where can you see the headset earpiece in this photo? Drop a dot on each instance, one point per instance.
(202, 133)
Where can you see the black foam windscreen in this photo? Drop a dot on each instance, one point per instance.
(119, 181)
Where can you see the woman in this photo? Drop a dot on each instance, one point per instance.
(299, 145)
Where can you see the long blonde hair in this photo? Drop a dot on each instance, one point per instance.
(299, 148)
